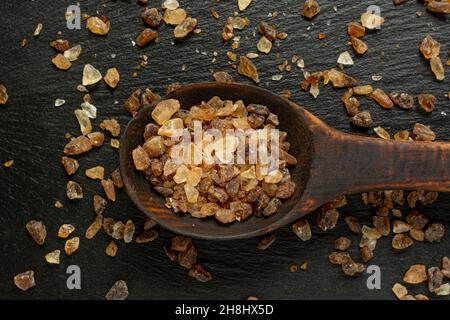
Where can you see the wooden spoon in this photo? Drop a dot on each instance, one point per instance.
(330, 164)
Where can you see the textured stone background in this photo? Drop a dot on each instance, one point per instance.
(32, 133)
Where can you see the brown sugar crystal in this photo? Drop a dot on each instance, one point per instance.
(402, 100)
(61, 62)
(310, 9)
(355, 29)
(3, 94)
(247, 68)
(427, 102)
(70, 165)
(362, 119)
(146, 36)
(78, 146)
(37, 231)
(98, 25)
(152, 17)
(60, 45)
(112, 77)
(74, 191)
(358, 45)
(382, 99)
(182, 30)
(24, 281)
(227, 192)
(429, 47)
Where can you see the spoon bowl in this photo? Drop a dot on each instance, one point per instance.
(330, 164)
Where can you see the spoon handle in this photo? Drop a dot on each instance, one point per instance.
(363, 164)
(344, 163)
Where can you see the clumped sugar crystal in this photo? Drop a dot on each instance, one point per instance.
(227, 191)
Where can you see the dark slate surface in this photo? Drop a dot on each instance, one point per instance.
(32, 133)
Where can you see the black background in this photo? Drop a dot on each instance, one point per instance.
(32, 133)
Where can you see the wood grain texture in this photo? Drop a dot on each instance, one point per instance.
(32, 133)
(357, 164)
